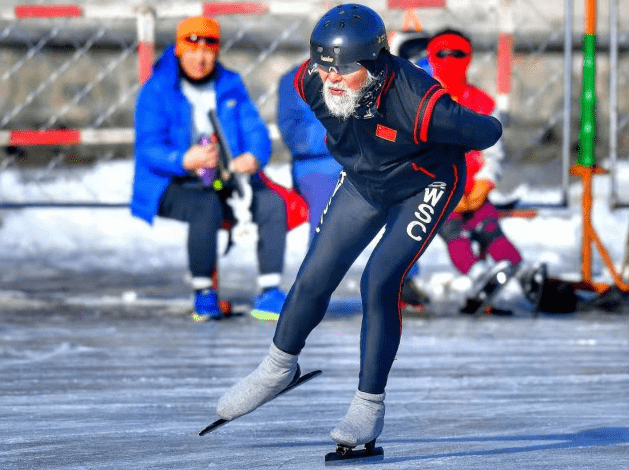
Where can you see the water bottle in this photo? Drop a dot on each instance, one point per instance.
(207, 175)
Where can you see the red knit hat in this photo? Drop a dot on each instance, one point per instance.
(191, 30)
(449, 41)
(451, 71)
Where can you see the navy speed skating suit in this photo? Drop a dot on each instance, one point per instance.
(403, 169)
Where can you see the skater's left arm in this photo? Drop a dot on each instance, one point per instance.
(454, 124)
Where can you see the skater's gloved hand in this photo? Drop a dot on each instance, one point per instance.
(477, 197)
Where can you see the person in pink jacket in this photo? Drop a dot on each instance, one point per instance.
(472, 231)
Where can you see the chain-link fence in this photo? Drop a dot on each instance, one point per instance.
(70, 78)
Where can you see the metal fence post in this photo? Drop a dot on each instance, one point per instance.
(587, 134)
(613, 102)
(567, 103)
(146, 42)
(504, 69)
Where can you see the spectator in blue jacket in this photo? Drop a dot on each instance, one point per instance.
(315, 171)
(171, 121)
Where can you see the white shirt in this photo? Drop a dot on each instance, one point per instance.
(202, 99)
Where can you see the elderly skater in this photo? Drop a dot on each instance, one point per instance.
(315, 171)
(401, 141)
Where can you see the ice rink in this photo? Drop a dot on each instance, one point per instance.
(101, 367)
(128, 384)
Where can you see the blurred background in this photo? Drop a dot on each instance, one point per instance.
(82, 71)
(70, 74)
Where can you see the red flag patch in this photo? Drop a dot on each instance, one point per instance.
(386, 133)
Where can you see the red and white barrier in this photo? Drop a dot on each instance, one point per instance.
(504, 69)
(47, 11)
(173, 10)
(146, 43)
(116, 135)
(146, 19)
(408, 4)
(24, 138)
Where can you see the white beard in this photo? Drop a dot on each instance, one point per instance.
(343, 106)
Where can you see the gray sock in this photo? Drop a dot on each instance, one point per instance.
(274, 374)
(363, 422)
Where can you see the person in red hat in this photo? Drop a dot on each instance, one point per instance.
(177, 156)
(472, 231)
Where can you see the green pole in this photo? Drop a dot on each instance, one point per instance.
(587, 130)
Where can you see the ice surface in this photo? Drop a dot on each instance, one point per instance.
(102, 369)
(115, 388)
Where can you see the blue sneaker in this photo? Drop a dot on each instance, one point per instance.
(268, 305)
(206, 306)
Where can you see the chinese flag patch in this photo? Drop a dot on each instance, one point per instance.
(386, 133)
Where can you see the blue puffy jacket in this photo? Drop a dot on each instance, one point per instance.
(302, 132)
(304, 136)
(163, 129)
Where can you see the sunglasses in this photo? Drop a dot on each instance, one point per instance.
(456, 53)
(194, 39)
(344, 69)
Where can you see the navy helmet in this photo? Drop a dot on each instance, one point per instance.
(347, 33)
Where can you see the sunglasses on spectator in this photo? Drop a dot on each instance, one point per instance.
(194, 39)
(344, 69)
(456, 53)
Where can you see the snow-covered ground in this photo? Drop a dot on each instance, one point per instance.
(85, 239)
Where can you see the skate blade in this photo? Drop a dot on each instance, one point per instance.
(299, 381)
(498, 311)
(215, 425)
(418, 310)
(355, 456)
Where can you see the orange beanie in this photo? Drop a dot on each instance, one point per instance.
(200, 26)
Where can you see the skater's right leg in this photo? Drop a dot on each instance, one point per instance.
(381, 285)
(329, 257)
(345, 229)
(276, 371)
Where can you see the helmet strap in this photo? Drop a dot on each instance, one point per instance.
(377, 69)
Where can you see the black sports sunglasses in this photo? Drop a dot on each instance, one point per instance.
(193, 38)
(456, 53)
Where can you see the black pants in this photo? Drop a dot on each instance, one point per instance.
(348, 225)
(204, 210)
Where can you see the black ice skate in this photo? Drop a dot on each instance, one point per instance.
(413, 300)
(533, 282)
(483, 295)
(297, 381)
(345, 455)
